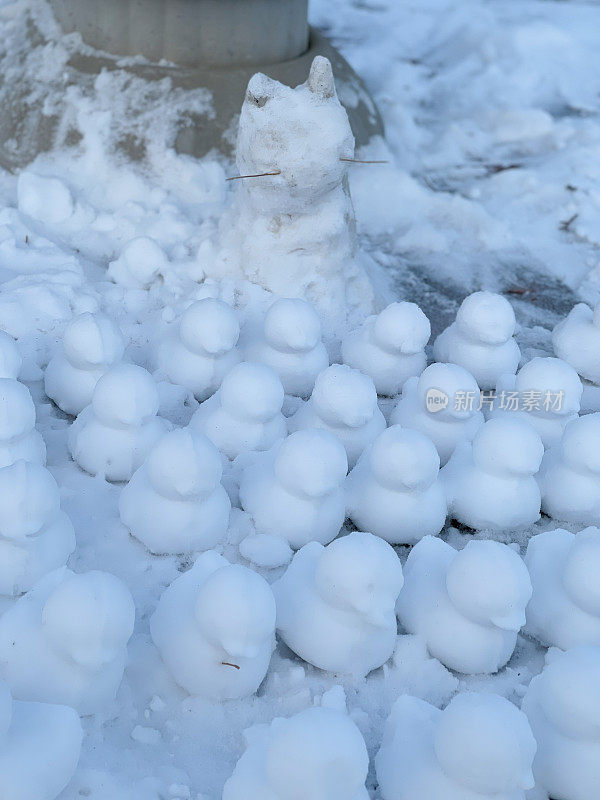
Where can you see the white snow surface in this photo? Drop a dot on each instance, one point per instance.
(493, 129)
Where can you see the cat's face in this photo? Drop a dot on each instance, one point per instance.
(301, 133)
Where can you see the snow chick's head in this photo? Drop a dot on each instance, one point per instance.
(300, 134)
(456, 389)
(209, 327)
(184, 465)
(17, 410)
(403, 460)
(89, 618)
(235, 611)
(569, 692)
(252, 392)
(581, 570)
(125, 396)
(344, 397)
(361, 573)
(556, 383)
(580, 444)
(317, 754)
(29, 499)
(311, 463)
(292, 325)
(508, 447)
(484, 743)
(92, 341)
(401, 328)
(488, 583)
(486, 318)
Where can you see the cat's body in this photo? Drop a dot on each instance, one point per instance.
(294, 232)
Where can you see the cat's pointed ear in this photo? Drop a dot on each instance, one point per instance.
(320, 80)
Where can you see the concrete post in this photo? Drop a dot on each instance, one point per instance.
(191, 32)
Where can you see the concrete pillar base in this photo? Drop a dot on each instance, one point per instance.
(27, 129)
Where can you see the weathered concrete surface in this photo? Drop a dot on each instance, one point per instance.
(191, 32)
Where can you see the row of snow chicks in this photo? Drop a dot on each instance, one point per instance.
(175, 502)
(480, 747)
(53, 660)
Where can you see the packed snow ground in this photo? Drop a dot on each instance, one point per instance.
(491, 112)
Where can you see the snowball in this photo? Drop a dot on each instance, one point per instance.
(141, 262)
(45, 199)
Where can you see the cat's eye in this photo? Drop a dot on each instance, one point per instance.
(259, 101)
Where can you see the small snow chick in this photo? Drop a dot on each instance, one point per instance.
(92, 343)
(442, 404)
(245, 412)
(490, 481)
(39, 748)
(563, 707)
(389, 347)
(318, 754)
(394, 491)
(564, 568)
(65, 641)
(468, 605)
(114, 434)
(576, 340)
(481, 339)
(291, 344)
(295, 490)
(141, 263)
(344, 402)
(479, 748)
(335, 604)
(201, 349)
(175, 503)
(569, 477)
(548, 393)
(36, 537)
(10, 357)
(19, 438)
(215, 629)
